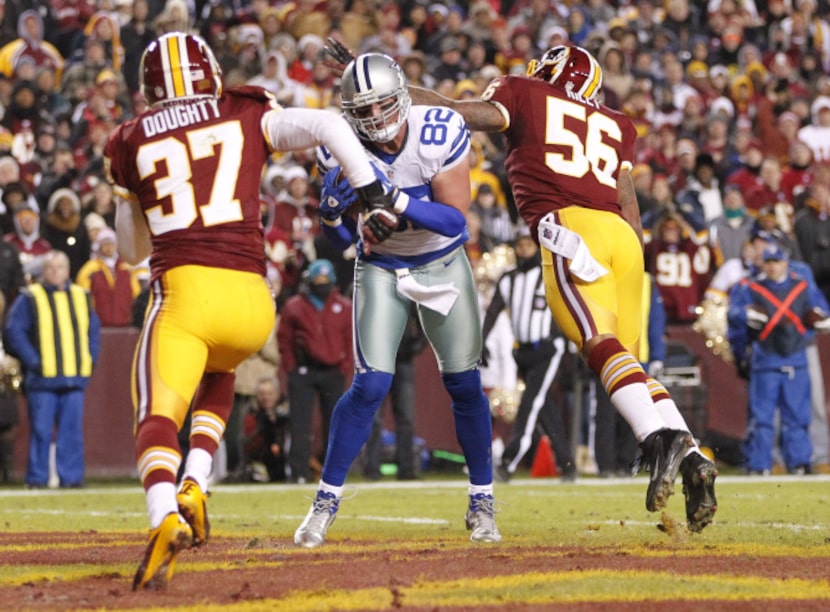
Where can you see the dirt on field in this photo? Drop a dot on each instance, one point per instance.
(269, 574)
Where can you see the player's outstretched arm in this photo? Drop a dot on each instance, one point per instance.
(480, 116)
(293, 129)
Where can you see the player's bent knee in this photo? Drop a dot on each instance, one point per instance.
(465, 390)
(370, 388)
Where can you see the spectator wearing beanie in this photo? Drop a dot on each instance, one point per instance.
(110, 281)
(451, 61)
(94, 223)
(314, 336)
(63, 228)
(817, 134)
(13, 195)
(26, 237)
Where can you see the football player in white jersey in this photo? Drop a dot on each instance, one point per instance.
(413, 252)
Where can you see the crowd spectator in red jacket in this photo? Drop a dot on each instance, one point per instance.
(315, 340)
(111, 282)
(797, 175)
(748, 176)
(767, 194)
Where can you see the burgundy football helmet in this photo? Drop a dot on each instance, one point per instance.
(179, 65)
(568, 67)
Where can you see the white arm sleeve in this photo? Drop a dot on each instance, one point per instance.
(291, 129)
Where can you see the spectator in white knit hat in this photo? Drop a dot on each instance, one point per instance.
(817, 134)
(64, 230)
(112, 283)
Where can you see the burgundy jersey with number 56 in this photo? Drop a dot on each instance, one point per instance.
(562, 150)
(194, 165)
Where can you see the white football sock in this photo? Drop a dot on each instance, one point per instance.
(161, 501)
(634, 404)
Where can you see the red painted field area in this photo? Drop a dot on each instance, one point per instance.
(88, 570)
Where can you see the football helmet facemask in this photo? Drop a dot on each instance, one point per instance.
(375, 79)
(568, 67)
(177, 66)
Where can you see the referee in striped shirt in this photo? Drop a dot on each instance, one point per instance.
(538, 352)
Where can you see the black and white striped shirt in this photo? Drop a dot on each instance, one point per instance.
(522, 293)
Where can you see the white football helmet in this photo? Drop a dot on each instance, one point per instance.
(375, 79)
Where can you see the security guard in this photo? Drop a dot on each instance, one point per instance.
(769, 317)
(54, 331)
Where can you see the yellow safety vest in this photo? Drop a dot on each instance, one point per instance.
(63, 331)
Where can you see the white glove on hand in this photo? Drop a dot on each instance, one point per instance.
(756, 319)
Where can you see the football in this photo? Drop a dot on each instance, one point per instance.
(388, 224)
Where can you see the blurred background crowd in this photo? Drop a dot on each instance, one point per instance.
(730, 98)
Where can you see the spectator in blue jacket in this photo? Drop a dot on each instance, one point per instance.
(770, 317)
(54, 332)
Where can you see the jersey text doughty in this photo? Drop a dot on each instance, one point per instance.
(185, 162)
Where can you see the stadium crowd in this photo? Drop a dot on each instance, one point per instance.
(730, 98)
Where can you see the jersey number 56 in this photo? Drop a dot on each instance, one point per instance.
(592, 155)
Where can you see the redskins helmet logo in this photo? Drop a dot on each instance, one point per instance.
(179, 65)
(571, 68)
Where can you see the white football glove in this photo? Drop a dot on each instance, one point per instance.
(756, 319)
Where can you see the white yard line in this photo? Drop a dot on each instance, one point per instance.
(425, 485)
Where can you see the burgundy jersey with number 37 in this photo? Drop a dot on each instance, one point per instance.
(194, 166)
(562, 150)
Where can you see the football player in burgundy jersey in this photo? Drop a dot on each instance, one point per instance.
(568, 162)
(187, 174)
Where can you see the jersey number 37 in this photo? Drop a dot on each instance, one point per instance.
(222, 205)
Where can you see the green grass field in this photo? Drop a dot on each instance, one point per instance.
(783, 511)
(590, 543)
